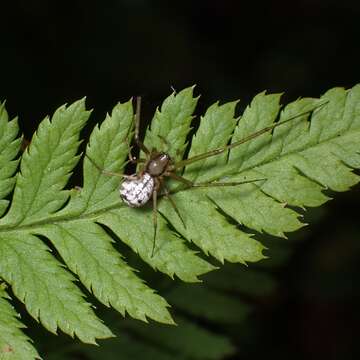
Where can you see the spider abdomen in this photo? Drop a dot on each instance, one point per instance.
(137, 191)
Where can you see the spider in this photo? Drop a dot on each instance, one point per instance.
(149, 181)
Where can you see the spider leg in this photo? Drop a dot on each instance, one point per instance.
(105, 172)
(182, 163)
(167, 195)
(139, 143)
(154, 196)
(180, 178)
(132, 158)
(227, 183)
(165, 142)
(191, 184)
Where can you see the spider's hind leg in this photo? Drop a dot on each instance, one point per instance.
(167, 195)
(191, 184)
(226, 183)
(154, 196)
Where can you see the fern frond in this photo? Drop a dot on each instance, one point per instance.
(296, 162)
(299, 160)
(36, 277)
(9, 148)
(87, 251)
(108, 148)
(215, 130)
(46, 167)
(171, 124)
(13, 343)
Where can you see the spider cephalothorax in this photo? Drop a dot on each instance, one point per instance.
(158, 164)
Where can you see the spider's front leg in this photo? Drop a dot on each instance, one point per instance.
(154, 210)
(139, 143)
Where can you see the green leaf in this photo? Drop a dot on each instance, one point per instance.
(210, 230)
(51, 230)
(87, 250)
(13, 343)
(135, 227)
(46, 166)
(214, 132)
(171, 124)
(9, 148)
(107, 149)
(48, 291)
(297, 162)
(82, 244)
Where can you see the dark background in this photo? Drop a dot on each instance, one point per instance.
(54, 52)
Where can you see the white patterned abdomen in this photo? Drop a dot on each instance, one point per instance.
(137, 192)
